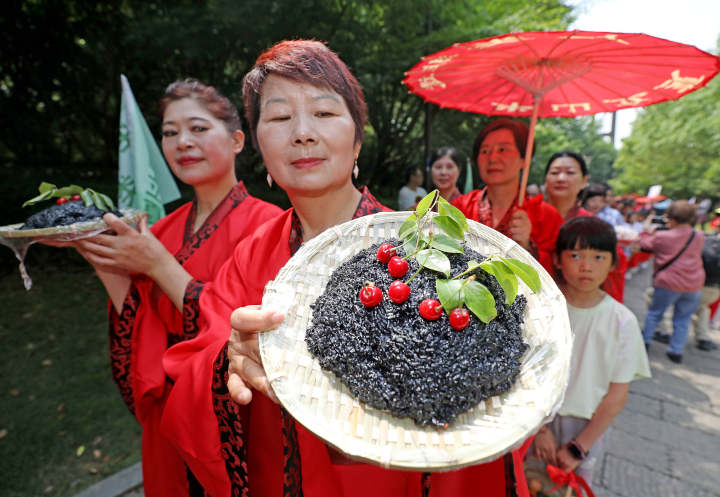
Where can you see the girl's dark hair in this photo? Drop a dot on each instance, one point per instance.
(587, 232)
(568, 153)
(209, 97)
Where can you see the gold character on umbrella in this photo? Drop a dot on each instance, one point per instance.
(498, 41)
(436, 62)
(572, 107)
(633, 100)
(430, 82)
(511, 107)
(679, 83)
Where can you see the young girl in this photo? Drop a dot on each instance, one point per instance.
(608, 351)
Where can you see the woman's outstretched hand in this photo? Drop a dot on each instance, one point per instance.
(130, 250)
(245, 370)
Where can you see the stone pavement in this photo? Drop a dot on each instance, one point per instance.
(666, 442)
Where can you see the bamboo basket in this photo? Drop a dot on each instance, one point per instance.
(324, 405)
(68, 232)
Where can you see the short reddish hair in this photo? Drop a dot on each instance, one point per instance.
(305, 61)
(208, 96)
(518, 128)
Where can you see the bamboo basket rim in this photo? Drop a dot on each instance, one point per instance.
(82, 228)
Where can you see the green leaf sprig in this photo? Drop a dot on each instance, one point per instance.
(429, 250)
(88, 195)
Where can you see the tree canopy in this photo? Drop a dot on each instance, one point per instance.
(61, 63)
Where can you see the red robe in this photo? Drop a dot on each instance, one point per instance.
(545, 219)
(149, 323)
(258, 449)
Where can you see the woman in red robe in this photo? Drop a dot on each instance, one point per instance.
(201, 136)
(306, 112)
(566, 174)
(499, 151)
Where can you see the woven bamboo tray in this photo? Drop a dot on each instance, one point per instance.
(68, 232)
(320, 402)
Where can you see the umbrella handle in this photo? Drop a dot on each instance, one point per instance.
(528, 152)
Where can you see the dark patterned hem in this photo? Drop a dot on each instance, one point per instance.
(120, 341)
(190, 313)
(231, 426)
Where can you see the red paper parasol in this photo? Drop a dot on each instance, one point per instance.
(560, 74)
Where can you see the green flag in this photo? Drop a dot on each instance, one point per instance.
(145, 181)
(467, 188)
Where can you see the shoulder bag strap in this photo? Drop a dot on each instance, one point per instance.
(692, 235)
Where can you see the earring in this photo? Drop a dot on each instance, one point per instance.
(269, 180)
(356, 171)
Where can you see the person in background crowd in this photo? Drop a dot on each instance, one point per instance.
(593, 198)
(499, 150)
(533, 190)
(608, 212)
(412, 192)
(445, 170)
(678, 277)
(566, 175)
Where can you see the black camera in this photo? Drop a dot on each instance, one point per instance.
(660, 222)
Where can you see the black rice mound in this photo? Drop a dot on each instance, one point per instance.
(73, 211)
(394, 360)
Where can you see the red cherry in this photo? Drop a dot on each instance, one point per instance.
(76, 197)
(459, 318)
(398, 292)
(430, 309)
(370, 295)
(385, 252)
(61, 200)
(397, 267)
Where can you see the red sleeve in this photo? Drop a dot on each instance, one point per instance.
(189, 419)
(615, 283)
(468, 204)
(546, 222)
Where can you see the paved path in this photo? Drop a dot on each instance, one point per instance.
(666, 442)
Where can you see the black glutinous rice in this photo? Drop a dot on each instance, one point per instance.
(394, 360)
(73, 211)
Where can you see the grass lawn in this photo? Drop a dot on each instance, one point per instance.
(63, 425)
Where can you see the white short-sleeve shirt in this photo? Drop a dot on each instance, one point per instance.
(608, 348)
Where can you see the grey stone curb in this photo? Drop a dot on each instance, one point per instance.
(117, 484)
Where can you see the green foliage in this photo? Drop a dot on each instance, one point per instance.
(88, 195)
(675, 144)
(56, 391)
(61, 62)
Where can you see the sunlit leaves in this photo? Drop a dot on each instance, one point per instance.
(88, 195)
(423, 242)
